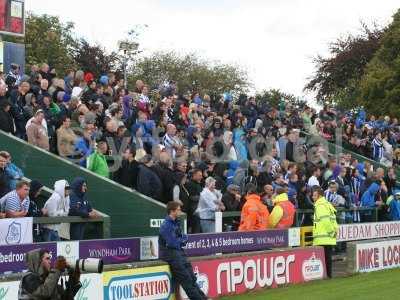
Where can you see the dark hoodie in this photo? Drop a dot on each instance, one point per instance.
(6, 119)
(38, 283)
(79, 205)
(34, 211)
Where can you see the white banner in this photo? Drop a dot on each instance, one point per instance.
(378, 256)
(16, 231)
(367, 231)
(9, 290)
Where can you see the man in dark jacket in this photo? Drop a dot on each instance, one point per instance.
(231, 198)
(41, 281)
(194, 188)
(166, 175)
(6, 119)
(148, 182)
(79, 206)
(34, 211)
(127, 174)
(4, 179)
(171, 242)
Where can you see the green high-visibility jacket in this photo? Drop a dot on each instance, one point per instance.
(96, 162)
(325, 225)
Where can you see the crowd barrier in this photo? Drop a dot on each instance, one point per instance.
(217, 275)
(221, 223)
(373, 255)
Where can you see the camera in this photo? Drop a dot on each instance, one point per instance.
(87, 265)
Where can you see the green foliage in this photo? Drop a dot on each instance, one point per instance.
(273, 97)
(191, 72)
(48, 40)
(94, 58)
(380, 85)
(336, 77)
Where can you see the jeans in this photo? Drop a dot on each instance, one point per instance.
(50, 235)
(182, 273)
(207, 226)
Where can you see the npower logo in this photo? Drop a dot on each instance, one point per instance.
(312, 269)
(139, 287)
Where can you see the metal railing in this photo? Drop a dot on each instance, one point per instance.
(100, 227)
(221, 224)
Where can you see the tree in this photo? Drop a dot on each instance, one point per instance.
(48, 40)
(380, 84)
(273, 97)
(191, 72)
(94, 58)
(336, 77)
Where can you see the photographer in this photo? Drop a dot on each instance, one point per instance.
(41, 281)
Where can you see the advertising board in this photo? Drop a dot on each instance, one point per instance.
(367, 231)
(142, 283)
(377, 256)
(236, 275)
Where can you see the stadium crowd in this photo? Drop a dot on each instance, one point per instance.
(211, 153)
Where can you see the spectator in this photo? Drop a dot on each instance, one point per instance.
(377, 145)
(66, 138)
(394, 207)
(194, 189)
(267, 195)
(37, 133)
(148, 182)
(34, 211)
(368, 200)
(313, 180)
(14, 173)
(4, 179)
(84, 145)
(6, 118)
(80, 206)
(57, 206)
(254, 214)
(171, 142)
(282, 216)
(96, 162)
(209, 203)
(231, 198)
(15, 204)
(127, 174)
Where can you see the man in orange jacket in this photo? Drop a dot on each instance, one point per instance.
(254, 213)
(282, 216)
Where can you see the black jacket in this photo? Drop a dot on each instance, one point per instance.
(148, 183)
(4, 183)
(194, 188)
(231, 204)
(167, 178)
(127, 174)
(6, 120)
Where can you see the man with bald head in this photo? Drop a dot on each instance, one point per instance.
(171, 141)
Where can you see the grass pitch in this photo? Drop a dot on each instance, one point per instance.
(383, 285)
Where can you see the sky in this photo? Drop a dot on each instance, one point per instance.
(274, 40)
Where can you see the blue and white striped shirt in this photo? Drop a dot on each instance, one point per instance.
(377, 149)
(12, 202)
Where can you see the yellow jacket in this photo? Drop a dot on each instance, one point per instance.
(283, 212)
(325, 225)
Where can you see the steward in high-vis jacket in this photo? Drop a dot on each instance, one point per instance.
(254, 214)
(325, 226)
(282, 215)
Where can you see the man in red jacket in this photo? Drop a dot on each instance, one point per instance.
(254, 213)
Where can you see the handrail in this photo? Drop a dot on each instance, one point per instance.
(219, 216)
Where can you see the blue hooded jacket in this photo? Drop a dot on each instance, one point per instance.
(78, 205)
(360, 119)
(368, 198)
(240, 144)
(395, 210)
(233, 165)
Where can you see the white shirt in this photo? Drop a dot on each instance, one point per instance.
(312, 181)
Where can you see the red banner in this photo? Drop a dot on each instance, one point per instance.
(236, 275)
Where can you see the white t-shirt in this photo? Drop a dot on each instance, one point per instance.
(312, 181)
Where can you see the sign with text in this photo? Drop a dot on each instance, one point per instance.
(367, 231)
(12, 257)
(236, 241)
(113, 251)
(16, 231)
(236, 275)
(141, 283)
(377, 256)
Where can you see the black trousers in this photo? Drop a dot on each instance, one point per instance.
(182, 273)
(328, 260)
